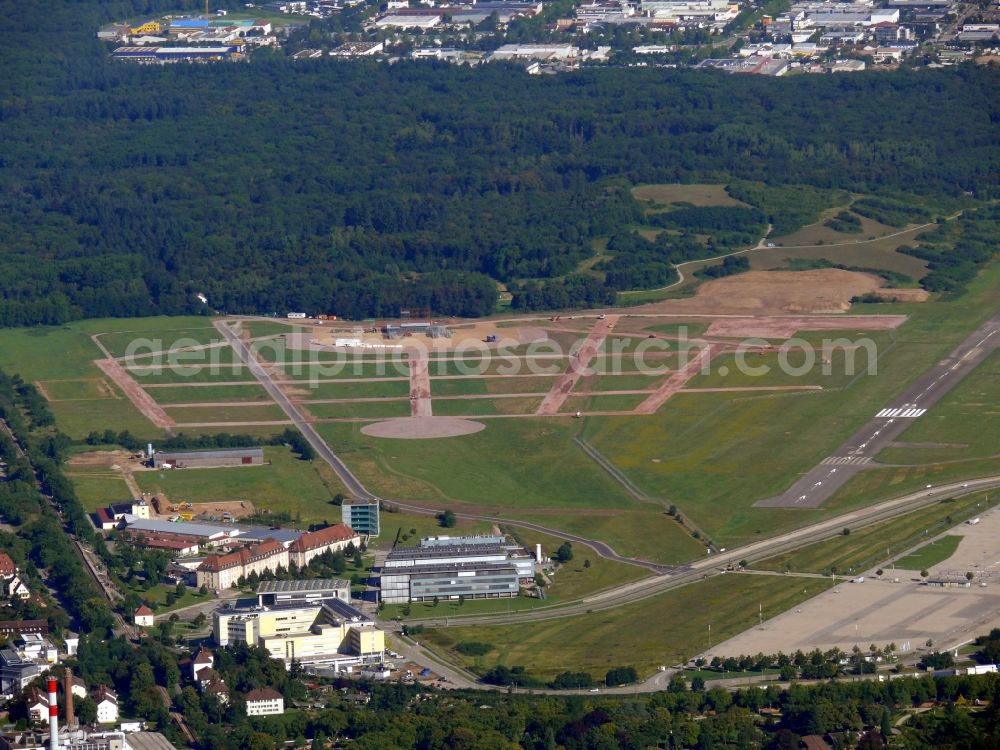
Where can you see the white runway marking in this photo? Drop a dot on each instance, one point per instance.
(845, 460)
(910, 413)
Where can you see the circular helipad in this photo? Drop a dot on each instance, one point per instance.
(422, 428)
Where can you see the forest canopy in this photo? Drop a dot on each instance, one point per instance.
(359, 188)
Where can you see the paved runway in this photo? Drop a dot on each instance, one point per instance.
(888, 423)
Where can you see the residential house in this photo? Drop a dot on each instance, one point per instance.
(203, 660)
(144, 617)
(38, 705)
(107, 705)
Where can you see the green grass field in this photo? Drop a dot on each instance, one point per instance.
(665, 630)
(602, 402)
(647, 533)
(125, 339)
(364, 389)
(963, 425)
(622, 382)
(872, 545)
(485, 386)
(78, 389)
(859, 251)
(818, 233)
(513, 463)
(98, 487)
(801, 367)
(699, 195)
(167, 375)
(209, 394)
(714, 455)
(59, 353)
(407, 529)
(486, 406)
(930, 555)
(225, 414)
(352, 369)
(285, 484)
(360, 409)
(215, 356)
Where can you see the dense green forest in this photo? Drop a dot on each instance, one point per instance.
(358, 188)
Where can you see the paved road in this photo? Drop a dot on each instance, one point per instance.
(351, 482)
(716, 563)
(856, 454)
(356, 488)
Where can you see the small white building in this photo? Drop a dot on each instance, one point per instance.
(79, 687)
(14, 588)
(264, 702)
(107, 706)
(144, 617)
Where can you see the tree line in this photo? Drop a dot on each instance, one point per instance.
(357, 189)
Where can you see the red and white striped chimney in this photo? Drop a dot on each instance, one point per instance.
(53, 715)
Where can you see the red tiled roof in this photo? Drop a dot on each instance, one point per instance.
(204, 656)
(215, 563)
(216, 686)
(7, 566)
(324, 537)
(143, 611)
(263, 694)
(103, 516)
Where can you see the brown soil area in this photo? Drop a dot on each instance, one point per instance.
(783, 327)
(100, 458)
(142, 400)
(773, 292)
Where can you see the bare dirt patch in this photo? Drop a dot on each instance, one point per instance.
(822, 290)
(420, 428)
(100, 458)
(139, 398)
(236, 508)
(783, 327)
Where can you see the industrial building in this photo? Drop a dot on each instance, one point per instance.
(208, 459)
(309, 591)
(478, 580)
(362, 516)
(329, 632)
(164, 55)
(472, 567)
(204, 534)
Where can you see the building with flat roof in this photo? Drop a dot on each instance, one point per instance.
(264, 702)
(195, 459)
(479, 580)
(470, 567)
(361, 515)
(163, 55)
(308, 633)
(303, 592)
(205, 533)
